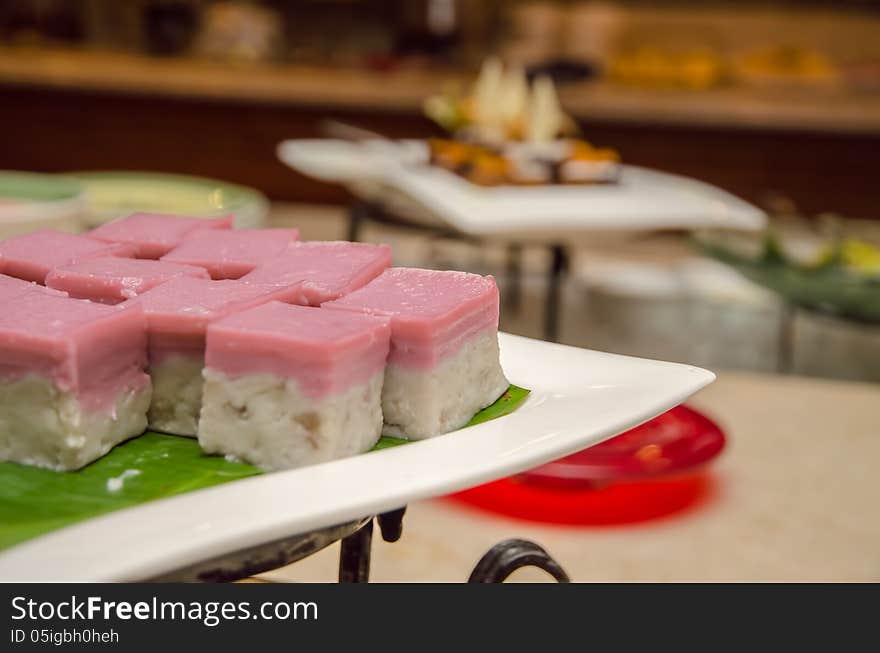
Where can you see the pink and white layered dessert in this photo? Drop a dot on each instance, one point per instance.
(443, 366)
(153, 235)
(178, 313)
(112, 280)
(72, 380)
(32, 256)
(287, 386)
(323, 270)
(231, 254)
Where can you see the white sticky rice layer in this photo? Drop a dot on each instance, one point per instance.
(419, 404)
(43, 426)
(177, 395)
(266, 420)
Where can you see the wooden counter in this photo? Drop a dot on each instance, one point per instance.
(404, 90)
(88, 110)
(130, 74)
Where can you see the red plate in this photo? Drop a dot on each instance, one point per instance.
(645, 473)
(677, 440)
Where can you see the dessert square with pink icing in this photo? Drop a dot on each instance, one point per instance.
(326, 352)
(178, 313)
(72, 380)
(443, 366)
(32, 256)
(231, 254)
(113, 279)
(11, 287)
(324, 270)
(432, 312)
(153, 235)
(287, 386)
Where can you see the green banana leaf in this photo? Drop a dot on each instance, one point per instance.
(35, 501)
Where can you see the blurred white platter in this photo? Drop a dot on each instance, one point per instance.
(579, 398)
(643, 199)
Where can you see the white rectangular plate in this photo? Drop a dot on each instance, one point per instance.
(579, 398)
(642, 199)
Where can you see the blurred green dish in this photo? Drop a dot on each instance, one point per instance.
(30, 201)
(115, 194)
(829, 286)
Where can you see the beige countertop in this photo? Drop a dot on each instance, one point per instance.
(796, 499)
(404, 90)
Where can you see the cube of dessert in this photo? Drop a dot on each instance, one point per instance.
(113, 279)
(178, 313)
(231, 254)
(323, 270)
(443, 366)
(11, 287)
(31, 256)
(72, 380)
(287, 386)
(153, 235)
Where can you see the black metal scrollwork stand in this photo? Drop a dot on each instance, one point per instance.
(494, 567)
(506, 557)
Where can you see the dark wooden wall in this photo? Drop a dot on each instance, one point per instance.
(51, 130)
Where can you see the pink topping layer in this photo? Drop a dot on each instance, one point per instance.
(11, 287)
(112, 280)
(92, 350)
(323, 270)
(179, 311)
(153, 235)
(33, 255)
(432, 312)
(231, 254)
(326, 352)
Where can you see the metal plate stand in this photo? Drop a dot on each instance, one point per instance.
(494, 567)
